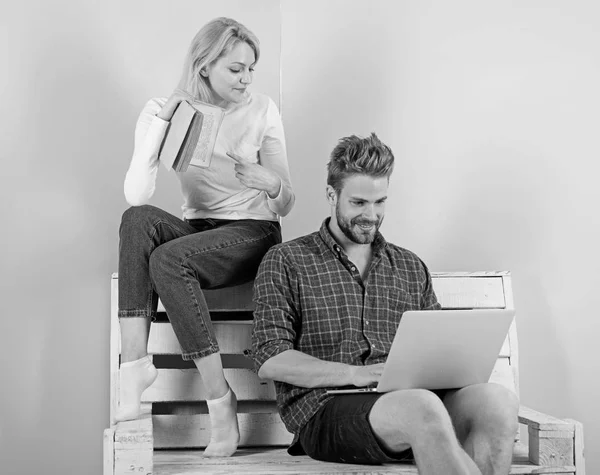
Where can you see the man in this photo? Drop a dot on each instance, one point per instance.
(328, 305)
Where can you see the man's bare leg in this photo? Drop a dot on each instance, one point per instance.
(486, 420)
(417, 419)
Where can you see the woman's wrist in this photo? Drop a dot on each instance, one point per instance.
(274, 189)
(166, 113)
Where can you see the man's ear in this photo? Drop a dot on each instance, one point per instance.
(331, 195)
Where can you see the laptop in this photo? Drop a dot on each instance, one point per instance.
(442, 349)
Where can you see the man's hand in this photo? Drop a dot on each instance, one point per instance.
(256, 176)
(366, 375)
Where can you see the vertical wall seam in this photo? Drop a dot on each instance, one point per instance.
(281, 59)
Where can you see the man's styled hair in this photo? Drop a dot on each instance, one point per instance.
(356, 155)
(215, 39)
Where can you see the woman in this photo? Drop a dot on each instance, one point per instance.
(231, 216)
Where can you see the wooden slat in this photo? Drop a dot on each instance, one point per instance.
(108, 460)
(135, 433)
(512, 331)
(256, 429)
(134, 446)
(578, 451)
(233, 337)
(186, 385)
(552, 452)
(540, 421)
(469, 292)
(277, 461)
(114, 350)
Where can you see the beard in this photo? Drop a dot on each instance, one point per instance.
(352, 230)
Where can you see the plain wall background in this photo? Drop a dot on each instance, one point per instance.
(491, 110)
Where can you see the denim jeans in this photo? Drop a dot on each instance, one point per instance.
(162, 255)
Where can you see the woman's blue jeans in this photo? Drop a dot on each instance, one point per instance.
(162, 255)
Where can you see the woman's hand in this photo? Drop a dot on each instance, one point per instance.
(169, 108)
(254, 175)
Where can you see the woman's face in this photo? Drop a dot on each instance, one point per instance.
(231, 74)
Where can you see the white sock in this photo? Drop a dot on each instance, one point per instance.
(224, 431)
(134, 378)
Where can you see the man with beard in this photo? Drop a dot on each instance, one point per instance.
(327, 308)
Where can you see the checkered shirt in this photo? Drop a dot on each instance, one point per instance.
(310, 297)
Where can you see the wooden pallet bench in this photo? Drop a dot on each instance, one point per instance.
(168, 439)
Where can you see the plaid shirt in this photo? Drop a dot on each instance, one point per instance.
(310, 297)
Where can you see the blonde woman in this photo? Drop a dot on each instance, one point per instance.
(231, 214)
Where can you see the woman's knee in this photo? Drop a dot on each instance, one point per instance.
(163, 261)
(137, 218)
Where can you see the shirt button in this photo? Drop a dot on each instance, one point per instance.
(353, 268)
(366, 323)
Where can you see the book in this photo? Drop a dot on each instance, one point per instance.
(191, 136)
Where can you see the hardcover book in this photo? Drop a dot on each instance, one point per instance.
(191, 136)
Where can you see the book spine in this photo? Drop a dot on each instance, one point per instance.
(191, 141)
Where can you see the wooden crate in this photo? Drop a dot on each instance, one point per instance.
(176, 416)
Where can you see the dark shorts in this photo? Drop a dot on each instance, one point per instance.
(340, 432)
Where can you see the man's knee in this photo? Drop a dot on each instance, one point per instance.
(412, 414)
(498, 409)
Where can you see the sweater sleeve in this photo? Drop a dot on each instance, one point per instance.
(140, 180)
(273, 156)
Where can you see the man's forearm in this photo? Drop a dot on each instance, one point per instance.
(300, 369)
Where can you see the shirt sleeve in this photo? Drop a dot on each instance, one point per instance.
(273, 155)
(276, 315)
(429, 300)
(140, 180)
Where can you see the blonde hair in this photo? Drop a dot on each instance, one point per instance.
(216, 38)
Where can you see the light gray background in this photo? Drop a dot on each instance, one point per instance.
(491, 110)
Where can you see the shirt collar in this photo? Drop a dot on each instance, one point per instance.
(378, 244)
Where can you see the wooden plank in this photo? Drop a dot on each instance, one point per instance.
(551, 452)
(540, 421)
(264, 462)
(469, 292)
(186, 385)
(115, 349)
(578, 450)
(134, 446)
(108, 458)
(138, 462)
(276, 462)
(233, 337)
(188, 431)
(555, 434)
(513, 342)
(130, 435)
